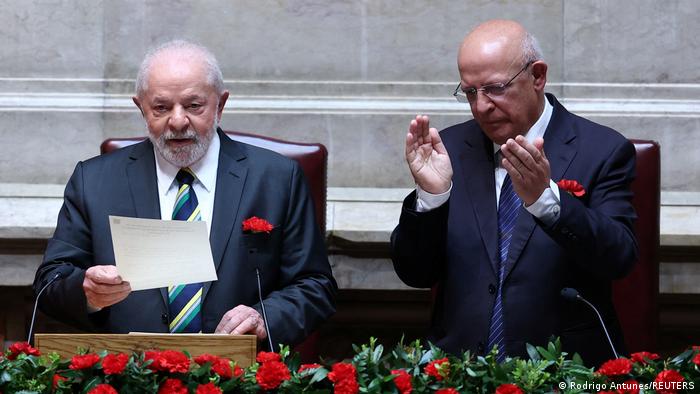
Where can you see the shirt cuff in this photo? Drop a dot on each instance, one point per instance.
(548, 207)
(426, 201)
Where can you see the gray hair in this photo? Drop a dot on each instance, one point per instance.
(214, 76)
(531, 48)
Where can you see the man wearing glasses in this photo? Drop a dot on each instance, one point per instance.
(489, 228)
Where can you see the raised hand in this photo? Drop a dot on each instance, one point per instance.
(527, 166)
(427, 157)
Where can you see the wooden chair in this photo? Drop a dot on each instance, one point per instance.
(636, 296)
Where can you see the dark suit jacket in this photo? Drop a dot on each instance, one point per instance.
(297, 284)
(455, 246)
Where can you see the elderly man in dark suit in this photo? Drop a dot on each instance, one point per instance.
(188, 169)
(489, 227)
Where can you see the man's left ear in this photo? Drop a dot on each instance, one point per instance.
(539, 71)
(222, 103)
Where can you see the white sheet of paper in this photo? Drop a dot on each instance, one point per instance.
(153, 253)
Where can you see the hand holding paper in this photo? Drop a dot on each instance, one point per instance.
(104, 287)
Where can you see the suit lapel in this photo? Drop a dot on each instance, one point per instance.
(143, 182)
(560, 143)
(478, 172)
(560, 148)
(521, 234)
(143, 186)
(230, 180)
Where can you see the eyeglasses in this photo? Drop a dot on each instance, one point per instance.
(492, 90)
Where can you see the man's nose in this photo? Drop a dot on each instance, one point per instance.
(178, 120)
(482, 103)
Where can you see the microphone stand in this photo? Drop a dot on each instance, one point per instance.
(262, 306)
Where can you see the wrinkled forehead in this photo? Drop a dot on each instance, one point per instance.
(182, 72)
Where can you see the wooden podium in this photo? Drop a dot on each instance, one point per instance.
(239, 348)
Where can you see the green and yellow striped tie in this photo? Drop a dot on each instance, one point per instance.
(186, 300)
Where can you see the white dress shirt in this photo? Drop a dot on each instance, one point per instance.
(204, 184)
(547, 206)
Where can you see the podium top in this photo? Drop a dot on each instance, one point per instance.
(239, 348)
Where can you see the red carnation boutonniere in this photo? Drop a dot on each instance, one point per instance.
(257, 225)
(572, 187)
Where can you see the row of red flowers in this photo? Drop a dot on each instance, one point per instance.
(407, 369)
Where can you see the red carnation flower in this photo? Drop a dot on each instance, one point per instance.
(172, 386)
(508, 388)
(264, 357)
(209, 388)
(306, 367)
(103, 389)
(84, 361)
(114, 364)
(620, 366)
(696, 359)
(642, 357)
(237, 371)
(439, 369)
(257, 225)
(344, 378)
(629, 387)
(668, 381)
(271, 374)
(18, 348)
(205, 358)
(402, 381)
(448, 390)
(220, 366)
(153, 356)
(56, 379)
(572, 187)
(173, 361)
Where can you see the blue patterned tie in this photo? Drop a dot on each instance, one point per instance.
(508, 208)
(186, 300)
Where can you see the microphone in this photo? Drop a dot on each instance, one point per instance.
(572, 295)
(252, 257)
(61, 272)
(262, 306)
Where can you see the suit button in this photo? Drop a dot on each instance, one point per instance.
(565, 230)
(164, 318)
(492, 289)
(480, 348)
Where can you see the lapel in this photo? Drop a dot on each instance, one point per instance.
(230, 180)
(143, 186)
(143, 182)
(560, 148)
(478, 173)
(560, 143)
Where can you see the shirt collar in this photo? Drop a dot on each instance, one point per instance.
(537, 129)
(204, 169)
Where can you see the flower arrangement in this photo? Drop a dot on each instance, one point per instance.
(411, 368)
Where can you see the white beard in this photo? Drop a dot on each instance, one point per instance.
(183, 156)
